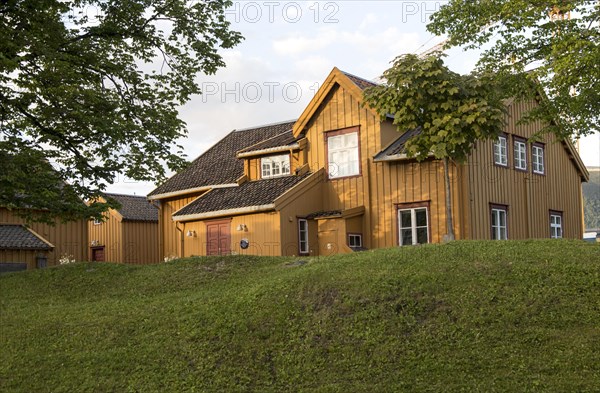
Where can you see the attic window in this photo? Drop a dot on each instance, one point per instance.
(274, 166)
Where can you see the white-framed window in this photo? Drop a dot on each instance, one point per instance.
(520, 154)
(499, 222)
(556, 229)
(354, 240)
(343, 157)
(537, 158)
(274, 166)
(97, 222)
(413, 226)
(500, 152)
(303, 248)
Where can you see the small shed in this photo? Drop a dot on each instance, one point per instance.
(21, 248)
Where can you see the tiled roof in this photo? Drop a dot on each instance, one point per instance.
(396, 147)
(320, 214)
(283, 139)
(17, 237)
(219, 164)
(135, 208)
(252, 193)
(360, 82)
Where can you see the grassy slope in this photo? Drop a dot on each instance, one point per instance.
(472, 316)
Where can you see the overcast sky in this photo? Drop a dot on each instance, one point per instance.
(290, 48)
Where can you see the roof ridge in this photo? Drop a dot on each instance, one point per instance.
(359, 77)
(268, 139)
(264, 125)
(125, 195)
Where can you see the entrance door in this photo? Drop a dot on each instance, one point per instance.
(98, 254)
(218, 238)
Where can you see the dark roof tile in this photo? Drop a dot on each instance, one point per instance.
(397, 147)
(135, 208)
(360, 82)
(219, 164)
(252, 193)
(283, 139)
(17, 237)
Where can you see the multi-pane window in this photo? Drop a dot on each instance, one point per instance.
(537, 158)
(520, 154)
(275, 166)
(303, 236)
(556, 229)
(343, 156)
(500, 152)
(499, 223)
(413, 226)
(354, 240)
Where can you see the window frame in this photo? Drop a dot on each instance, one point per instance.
(413, 207)
(340, 132)
(306, 250)
(499, 208)
(97, 222)
(517, 140)
(559, 214)
(534, 147)
(503, 136)
(282, 166)
(355, 235)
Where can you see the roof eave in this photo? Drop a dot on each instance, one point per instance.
(226, 212)
(189, 191)
(270, 150)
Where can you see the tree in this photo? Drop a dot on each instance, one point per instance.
(93, 87)
(451, 111)
(555, 46)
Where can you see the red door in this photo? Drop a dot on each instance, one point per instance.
(98, 254)
(218, 238)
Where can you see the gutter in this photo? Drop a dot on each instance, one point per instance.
(189, 191)
(277, 149)
(226, 212)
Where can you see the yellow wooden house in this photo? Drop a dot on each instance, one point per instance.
(337, 180)
(126, 235)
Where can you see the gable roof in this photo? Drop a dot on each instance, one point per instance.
(257, 195)
(351, 83)
(18, 237)
(218, 166)
(135, 208)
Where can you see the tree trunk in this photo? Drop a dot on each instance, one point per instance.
(449, 222)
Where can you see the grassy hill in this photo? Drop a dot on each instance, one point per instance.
(467, 316)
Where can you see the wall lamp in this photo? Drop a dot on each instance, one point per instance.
(242, 228)
(190, 233)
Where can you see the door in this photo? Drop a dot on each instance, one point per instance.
(218, 237)
(98, 254)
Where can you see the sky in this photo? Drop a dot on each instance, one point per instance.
(289, 48)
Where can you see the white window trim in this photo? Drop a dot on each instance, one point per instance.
(280, 162)
(496, 229)
(301, 232)
(356, 236)
(537, 160)
(500, 151)
(520, 155)
(97, 222)
(414, 227)
(333, 169)
(556, 226)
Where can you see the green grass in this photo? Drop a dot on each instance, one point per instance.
(466, 316)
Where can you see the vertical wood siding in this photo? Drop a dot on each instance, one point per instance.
(68, 238)
(529, 196)
(108, 234)
(169, 236)
(140, 242)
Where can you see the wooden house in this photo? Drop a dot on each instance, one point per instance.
(337, 179)
(126, 235)
(19, 248)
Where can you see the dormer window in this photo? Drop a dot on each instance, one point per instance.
(274, 166)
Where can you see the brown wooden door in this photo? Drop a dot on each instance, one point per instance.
(218, 238)
(98, 254)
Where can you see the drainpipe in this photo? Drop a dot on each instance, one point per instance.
(181, 234)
